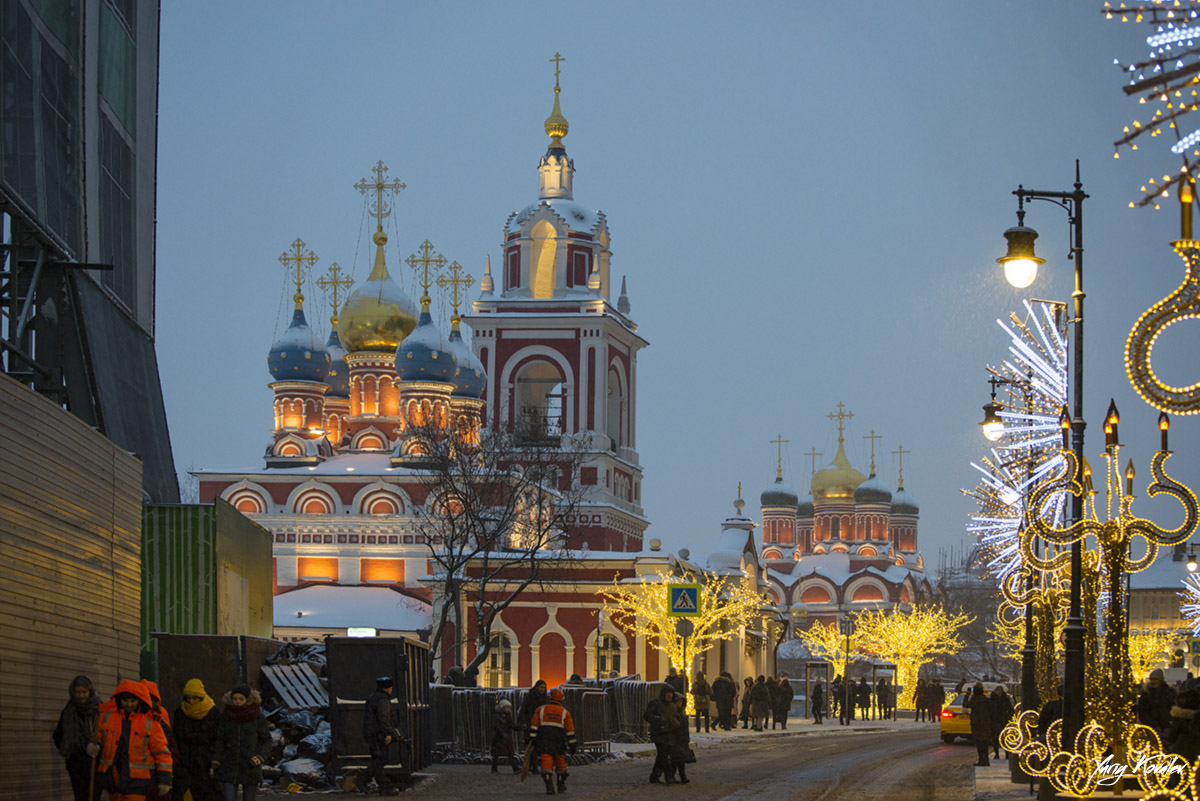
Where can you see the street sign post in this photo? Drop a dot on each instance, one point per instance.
(683, 600)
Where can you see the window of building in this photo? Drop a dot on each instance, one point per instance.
(116, 213)
(1154, 612)
(835, 528)
(608, 655)
(499, 662)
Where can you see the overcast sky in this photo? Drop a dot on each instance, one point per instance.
(807, 200)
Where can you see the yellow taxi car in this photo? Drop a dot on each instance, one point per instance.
(956, 718)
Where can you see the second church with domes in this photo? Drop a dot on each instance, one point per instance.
(849, 543)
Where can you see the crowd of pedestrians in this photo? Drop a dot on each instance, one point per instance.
(129, 748)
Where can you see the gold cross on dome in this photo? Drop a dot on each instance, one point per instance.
(900, 452)
(296, 258)
(558, 59)
(423, 263)
(333, 283)
(457, 279)
(873, 436)
(779, 442)
(841, 416)
(379, 206)
(813, 454)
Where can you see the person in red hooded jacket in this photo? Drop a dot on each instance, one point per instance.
(131, 746)
(159, 713)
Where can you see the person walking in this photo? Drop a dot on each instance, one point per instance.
(920, 701)
(536, 696)
(678, 681)
(663, 716)
(130, 746)
(817, 701)
(836, 692)
(681, 746)
(981, 723)
(846, 701)
(1155, 702)
(701, 698)
(760, 703)
(553, 732)
(243, 743)
(864, 698)
(772, 702)
(784, 706)
(724, 693)
(76, 724)
(1001, 713)
(164, 719)
(747, 686)
(504, 736)
(379, 732)
(937, 699)
(196, 723)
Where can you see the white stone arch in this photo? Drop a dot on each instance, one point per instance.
(368, 493)
(617, 402)
(866, 550)
(303, 490)
(816, 582)
(522, 359)
(370, 431)
(500, 627)
(868, 581)
(622, 643)
(290, 442)
(535, 643)
(244, 489)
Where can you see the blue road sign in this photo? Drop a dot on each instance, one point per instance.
(683, 600)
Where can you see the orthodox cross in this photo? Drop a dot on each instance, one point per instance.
(842, 416)
(423, 263)
(333, 283)
(873, 436)
(456, 280)
(380, 207)
(557, 60)
(813, 454)
(296, 258)
(900, 452)
(779, 442)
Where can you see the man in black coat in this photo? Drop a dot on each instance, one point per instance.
(663, 716)
(864, 698)
(379, 731)
(817, 702)
(784, 707)
(723, 693)
(1155, 702)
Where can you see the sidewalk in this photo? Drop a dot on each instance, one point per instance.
(797, 727)
(993, 783)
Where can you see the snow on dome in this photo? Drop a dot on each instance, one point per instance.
(425, 355)
(339, 372)
(904, 503)
(804, 506)
(778, 494)
(575, 216)
(298, 355)
(470, 380)
(873, 490)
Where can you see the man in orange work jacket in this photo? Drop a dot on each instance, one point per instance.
(553, 732)
(131, 746)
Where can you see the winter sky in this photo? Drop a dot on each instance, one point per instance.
(807, 200)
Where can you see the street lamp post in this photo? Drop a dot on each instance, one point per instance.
(1020, 265)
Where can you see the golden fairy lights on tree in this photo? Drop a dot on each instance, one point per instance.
(641, 605)
(827, 642)
(910, 639)
(1147, 649)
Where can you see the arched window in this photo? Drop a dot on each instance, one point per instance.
(539, 401)
(499, 662)
(608, 655)
(835, 528)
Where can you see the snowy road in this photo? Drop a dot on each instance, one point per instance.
(895, 765)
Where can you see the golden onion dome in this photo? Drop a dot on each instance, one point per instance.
(839, 480)
(556, 124)
(378, 315)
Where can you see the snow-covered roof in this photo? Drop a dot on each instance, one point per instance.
(333, 606)
(347, 464)
(576, 216)
(731, 547)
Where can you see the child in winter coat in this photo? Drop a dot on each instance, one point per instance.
(503, 739)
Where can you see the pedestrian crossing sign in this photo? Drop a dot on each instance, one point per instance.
(683, 600)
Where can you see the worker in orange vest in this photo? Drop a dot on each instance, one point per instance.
(553, 733)
(134, 758)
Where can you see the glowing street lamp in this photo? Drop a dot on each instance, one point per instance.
(1020, 262)
(993, 426)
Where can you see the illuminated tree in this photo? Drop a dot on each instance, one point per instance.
(641, 605)
(1146, 650)
(827, 642)
(909, 639)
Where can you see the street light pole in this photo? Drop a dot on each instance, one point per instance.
(1074, 661)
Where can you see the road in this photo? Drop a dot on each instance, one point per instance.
(893, 765)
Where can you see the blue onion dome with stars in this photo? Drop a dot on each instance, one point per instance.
(425, 355)
(339, 372)
(298, 355)
(471, 380)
